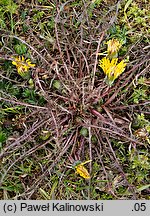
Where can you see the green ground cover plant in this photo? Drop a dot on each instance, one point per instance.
(74, 96)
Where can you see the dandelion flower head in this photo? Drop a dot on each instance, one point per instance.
(81, 170)
(22, 65)
(113, 46)
(111, 69)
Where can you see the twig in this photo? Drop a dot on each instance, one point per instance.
(128, 106)
(23, 137)
(114, 132)
(32, 48)
(120, 169)
(35, 185)
(96, 57)
(22, 103)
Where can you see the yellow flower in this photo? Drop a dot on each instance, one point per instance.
(111, 69)
(22, 65)
(82, 171)
(113, 47)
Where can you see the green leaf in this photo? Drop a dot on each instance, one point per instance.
(20, 49)
(126, 7)
(84, 132)
(143, 187)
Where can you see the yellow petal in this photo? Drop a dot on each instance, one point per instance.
(82, 171)
(14, 63)
(111, 69)
(22, 58)
(113, 46)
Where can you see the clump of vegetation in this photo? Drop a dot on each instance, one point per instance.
(74, 96)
